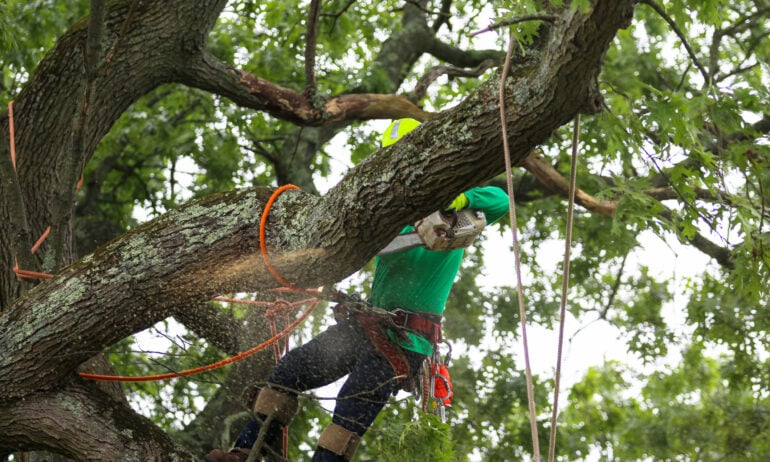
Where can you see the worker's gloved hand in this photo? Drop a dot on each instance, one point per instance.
(459, 203)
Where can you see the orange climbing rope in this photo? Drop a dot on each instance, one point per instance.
(275, 336)
(13, 136)
(20, 273)
(269, 342)
(263, 225)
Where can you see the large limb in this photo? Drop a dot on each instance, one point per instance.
(156, 269)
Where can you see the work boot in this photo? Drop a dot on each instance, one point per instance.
(234, 455)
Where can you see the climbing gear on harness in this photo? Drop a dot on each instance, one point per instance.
(397, 129)
(375, 321)
(280, 405)
(234, 455)
(437, 390)
(340, 441)
(438, 231)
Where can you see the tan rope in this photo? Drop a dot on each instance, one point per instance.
(517, 252)
(564, 285)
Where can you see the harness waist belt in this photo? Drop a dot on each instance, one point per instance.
(427, 324)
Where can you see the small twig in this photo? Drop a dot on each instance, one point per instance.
(437, 71)
(517, 20)
(678, 32)
(310, 48)
(443, 16)
(614, 289)
(336, 16)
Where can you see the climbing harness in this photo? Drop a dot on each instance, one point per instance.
(437, 383)
(436, 390)
(376, 322)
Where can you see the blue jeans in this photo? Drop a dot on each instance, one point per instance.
(342, 349)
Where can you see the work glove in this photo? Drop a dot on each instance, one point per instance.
(460, 202)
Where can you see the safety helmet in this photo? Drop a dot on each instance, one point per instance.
(397, 129)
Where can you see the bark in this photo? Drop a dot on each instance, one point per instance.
(147, 42)
(155, 270)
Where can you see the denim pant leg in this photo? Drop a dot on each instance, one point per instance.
(329, 356)
(366, 391)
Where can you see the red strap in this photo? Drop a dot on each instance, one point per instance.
(373, 326)
(421, 324)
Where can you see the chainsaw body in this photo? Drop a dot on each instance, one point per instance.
(440, 231)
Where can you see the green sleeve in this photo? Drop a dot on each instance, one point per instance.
(491, 199)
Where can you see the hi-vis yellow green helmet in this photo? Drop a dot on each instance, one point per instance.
(397, 129)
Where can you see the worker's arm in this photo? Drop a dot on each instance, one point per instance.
(491, 199)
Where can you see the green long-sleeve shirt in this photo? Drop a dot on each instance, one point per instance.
(419, 279)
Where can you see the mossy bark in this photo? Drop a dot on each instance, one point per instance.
(211, 246)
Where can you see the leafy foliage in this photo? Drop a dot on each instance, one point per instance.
(680, 150)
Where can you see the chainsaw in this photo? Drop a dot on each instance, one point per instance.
(441, 231)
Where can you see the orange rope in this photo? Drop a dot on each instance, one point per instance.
(26, 274)
(13, 137)
(20, 273)
(41, 239)
(263, 225)
(124, 378)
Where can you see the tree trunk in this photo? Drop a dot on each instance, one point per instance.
(210, 246)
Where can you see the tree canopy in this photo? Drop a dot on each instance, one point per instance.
(142, 141)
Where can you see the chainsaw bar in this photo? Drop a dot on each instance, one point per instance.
(402, 242)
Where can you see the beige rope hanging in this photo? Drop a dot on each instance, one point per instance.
(517, 251)
(517, 259)
(564, 285)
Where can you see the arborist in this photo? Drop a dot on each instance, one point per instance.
(380, 344)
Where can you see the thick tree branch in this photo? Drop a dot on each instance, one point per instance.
(99, 429)
(462, 58)
(54, 95)
(211, 323)
(518, 20)
(554, 181)
(21, 240)
(248, 90)
(443, 16)
(537, 165)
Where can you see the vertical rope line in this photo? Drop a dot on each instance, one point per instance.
(517, 252)
(12, 134)
(564, 285)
